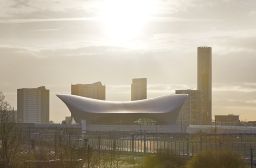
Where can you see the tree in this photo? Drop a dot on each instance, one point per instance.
(9, 141)
(213, 159)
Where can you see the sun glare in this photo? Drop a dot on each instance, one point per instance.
(124, 20)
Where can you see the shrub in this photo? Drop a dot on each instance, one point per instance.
(163, 159)
(216, 159)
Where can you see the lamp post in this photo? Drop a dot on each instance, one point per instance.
(251, 156)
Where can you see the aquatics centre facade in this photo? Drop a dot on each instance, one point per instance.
(163, 110)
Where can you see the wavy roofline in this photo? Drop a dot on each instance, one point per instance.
(163, 109)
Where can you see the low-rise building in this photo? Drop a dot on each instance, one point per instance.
(227, 119)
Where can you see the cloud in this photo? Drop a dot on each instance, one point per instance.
(218, 9)
(61, 42)
(241, 87)
(46, 30)
(46, 8)
(253, 102)
(240, 102)
(19, 3)
(35, 20)
(235, 98)
(190, 9)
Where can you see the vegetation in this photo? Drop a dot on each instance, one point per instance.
(14, 153)
(164, 159)
(9, 139)
(214, 159)
(210, 159)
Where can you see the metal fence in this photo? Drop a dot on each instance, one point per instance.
(181, 144)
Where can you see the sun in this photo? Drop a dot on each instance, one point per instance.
(124, 20)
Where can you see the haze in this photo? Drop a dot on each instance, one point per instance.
(56, 43)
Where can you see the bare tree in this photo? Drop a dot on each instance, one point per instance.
(9, 141)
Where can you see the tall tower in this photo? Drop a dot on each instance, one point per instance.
(204, 82)
(139, 89)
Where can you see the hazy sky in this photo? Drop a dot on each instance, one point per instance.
(59, 42)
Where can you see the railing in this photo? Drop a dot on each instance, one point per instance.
(181, 144)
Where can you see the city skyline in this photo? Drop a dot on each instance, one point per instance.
(59, 43)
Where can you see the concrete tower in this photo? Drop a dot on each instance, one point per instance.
(33, 105)
(204, 82)
(139, 89)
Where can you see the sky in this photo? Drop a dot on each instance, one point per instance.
(57, 43)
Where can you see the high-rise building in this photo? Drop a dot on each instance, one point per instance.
(139, 89)
(190, 112)
(94, 90)
(197, 109)
(33, 105)
(204, 81)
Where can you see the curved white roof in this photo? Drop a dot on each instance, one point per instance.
(93, 109)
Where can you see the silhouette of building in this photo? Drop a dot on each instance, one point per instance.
(68, 120)
(197, 110)
(163, 110)
(190, 112)
(139, 89)
(227, 119)
(94, 90)
(33, 105)
(249, 123)
(204, 82)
